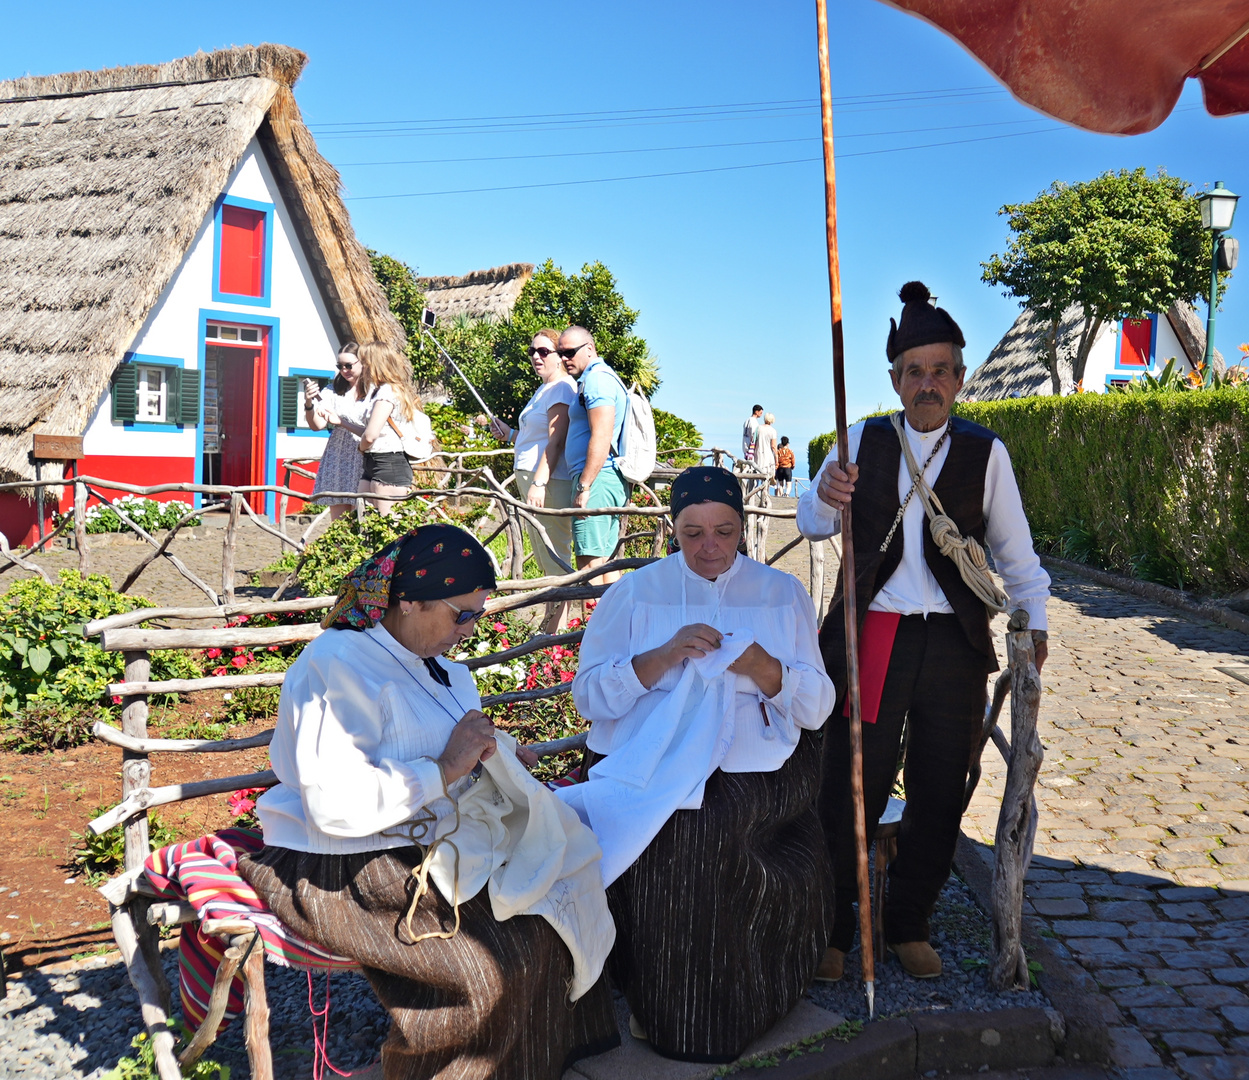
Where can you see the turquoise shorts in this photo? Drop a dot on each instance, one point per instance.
(597, 536)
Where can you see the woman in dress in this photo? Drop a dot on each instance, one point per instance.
(541, 468)
(765, 448)
(703, 785)
(393, 410)
(375, 748)
(342, 409)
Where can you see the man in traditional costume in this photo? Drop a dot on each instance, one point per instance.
(925, 645)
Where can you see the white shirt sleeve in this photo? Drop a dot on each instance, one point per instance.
(816, 519)
(1010, 539)
(806, 696)
(346, 787)
(606, 686)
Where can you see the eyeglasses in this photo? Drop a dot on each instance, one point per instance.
(347, 367)
(462, 615)
(568, 354)
(540, 352)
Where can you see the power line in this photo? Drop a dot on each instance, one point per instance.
(673, 149)
(695, 172)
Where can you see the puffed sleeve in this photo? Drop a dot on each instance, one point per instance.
(806, 695)
(346, 787)
(606, 686)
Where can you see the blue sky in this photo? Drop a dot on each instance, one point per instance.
(726, 263)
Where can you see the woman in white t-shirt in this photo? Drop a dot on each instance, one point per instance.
(394, 410)
(541, 468)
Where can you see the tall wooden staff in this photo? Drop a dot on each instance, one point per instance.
(847, 544)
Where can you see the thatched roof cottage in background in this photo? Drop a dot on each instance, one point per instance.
(482, 295)
(176, 256)
(1017, 366)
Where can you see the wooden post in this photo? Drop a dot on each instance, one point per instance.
(1016, 828)
(227, 553)
(256, 1021)
(145, 985)
(80, 527)
(762, 543)
(516, 544)
(283, 499)
(136, 770)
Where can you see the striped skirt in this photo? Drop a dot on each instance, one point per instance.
(723, 919)
(491, 1002)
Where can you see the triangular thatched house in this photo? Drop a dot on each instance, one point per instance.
(483, 294)
(1017, 366)
(176, 255)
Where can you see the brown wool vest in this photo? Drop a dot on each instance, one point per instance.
(960, 487)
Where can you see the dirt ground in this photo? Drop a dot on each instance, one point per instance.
(47, 909)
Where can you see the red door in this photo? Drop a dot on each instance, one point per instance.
(242, 397)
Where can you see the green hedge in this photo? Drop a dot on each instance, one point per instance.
(1149, 484)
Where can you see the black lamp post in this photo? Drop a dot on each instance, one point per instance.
(1218, 207)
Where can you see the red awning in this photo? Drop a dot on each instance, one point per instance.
(1114, 66)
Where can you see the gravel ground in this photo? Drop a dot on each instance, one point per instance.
(61, 1026)
(962, 934)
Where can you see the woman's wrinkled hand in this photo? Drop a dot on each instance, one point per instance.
(472, 740)
(527, 757)
(761, 666)
(690, 642)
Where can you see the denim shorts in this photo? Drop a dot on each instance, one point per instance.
(391, 468)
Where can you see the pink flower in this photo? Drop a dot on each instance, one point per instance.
(274, 648)
(116, 699)
(239, 661)
(573, 624)
(386, 566)
(566, 676)
(499, 628)
(212, 654)
(219, 671)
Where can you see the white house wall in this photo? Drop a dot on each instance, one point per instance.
(1105, 353)
(305, 339)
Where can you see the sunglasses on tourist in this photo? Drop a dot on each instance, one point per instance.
(568, 354)
(462, 615)
(347, 367)
(540, 352)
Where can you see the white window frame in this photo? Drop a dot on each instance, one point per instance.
(152, 406)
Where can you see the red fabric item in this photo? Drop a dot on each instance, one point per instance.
(875, 649)
(1114, 66)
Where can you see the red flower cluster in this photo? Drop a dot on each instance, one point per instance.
(243, 801)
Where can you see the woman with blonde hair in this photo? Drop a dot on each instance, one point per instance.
(394, 409)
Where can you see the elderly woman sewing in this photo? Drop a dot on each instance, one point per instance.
(703, 679)
(376, 747)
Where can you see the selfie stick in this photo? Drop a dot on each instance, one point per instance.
(428, 318)
(847, 544)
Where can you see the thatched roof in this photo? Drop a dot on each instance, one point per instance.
(105, 178)
(1017, 366)
(483, 294)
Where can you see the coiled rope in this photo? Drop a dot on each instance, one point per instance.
(965, 551)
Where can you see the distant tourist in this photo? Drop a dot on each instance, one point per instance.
(340, 406)
(595, 426)
(394, 408)
(541, 466)
(921, 623)
(750, 432)
(765, 449)
(784, 468)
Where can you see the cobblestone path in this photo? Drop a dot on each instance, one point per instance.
(1141, 869)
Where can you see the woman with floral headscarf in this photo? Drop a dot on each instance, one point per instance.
(703, 680)
(376, 746)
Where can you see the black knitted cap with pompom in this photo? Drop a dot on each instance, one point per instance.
(920, 323)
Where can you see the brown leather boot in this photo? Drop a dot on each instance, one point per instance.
(832, 967)
(918, 959)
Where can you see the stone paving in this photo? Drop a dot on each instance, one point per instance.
(1141, 870)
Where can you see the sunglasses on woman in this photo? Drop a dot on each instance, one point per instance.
(463, 615)
(540, 352)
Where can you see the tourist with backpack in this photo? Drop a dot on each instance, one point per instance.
(596, 426)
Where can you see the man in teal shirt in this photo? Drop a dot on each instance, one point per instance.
(595, 424)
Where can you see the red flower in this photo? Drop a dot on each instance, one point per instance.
(239, 661)
(505, 643)
(116, 699)
(212, 654)
(274, 648)
(499, 627)
(566, 676)
(573, 624)
(386, 566)
(219, 671)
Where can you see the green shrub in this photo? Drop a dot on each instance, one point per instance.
(817, 451)
(148, 514)
(100, 857)
(44, 659)
(143, 1065)
(671, 432)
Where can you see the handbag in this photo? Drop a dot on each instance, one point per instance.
(414, 447)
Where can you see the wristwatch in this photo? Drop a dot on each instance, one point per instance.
(535, 484)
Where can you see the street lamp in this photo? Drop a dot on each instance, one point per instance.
(1218, 207)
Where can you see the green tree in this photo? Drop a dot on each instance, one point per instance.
(406, 300)
(552, 298)
(1120, 246)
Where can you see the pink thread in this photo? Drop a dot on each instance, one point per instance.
(321, 1039)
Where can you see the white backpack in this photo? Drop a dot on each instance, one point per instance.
(637, 453)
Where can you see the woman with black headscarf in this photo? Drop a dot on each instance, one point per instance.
(376, 747)
(704, 781)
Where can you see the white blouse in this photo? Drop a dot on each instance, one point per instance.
(360, 725)
(645, 608)
(533, 425)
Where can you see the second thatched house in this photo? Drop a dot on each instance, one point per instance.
(1017, 366)
(177, 256)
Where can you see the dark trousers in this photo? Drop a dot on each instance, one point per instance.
(937, 682)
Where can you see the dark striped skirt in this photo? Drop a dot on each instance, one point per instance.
(491, 1002)
(723, 919)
